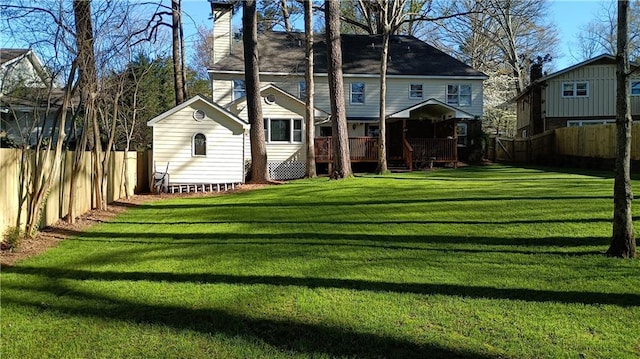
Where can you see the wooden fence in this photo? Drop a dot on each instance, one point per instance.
(595, 142)
(57, 203)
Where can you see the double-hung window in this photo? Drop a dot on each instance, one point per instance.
(635, 87)
(283, 130)
(239, 89)
(575, 89)
(461, 129)
(302, 90)
(459, 94)
(357, 93)
(415, 91)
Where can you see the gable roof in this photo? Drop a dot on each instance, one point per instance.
(283, 53)
(273, 88)
(8, 55)
(603, 59)
(443, 107)
(190, 101)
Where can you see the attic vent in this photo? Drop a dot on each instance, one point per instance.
(199, 115)
(270, 99)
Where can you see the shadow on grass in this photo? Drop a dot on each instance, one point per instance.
(285, 335)
(360, 202)
(338, 243)
(387, 239)
(467, 291)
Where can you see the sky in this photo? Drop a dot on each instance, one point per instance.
(568, 15)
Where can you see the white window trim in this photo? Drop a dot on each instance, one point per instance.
(233, 90)
(300, 90)
(457, 103)
(364, 93)
(575, 89)
(193, 145)
(630, 87)
(421, 91)
(580, 123)
(267, 131)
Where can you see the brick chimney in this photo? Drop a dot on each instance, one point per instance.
(537, 122)
(222, 12)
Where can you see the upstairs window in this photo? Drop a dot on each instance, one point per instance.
(199, 145)
(239, 89)
(357, 93)
(575, 89)
(302, 90)
(635, 88)
(459, 94)
(415, 91)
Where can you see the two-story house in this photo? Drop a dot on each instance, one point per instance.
(434, 102)
(580, 95)
(28, 98)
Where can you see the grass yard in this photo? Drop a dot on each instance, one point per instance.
(478, 262)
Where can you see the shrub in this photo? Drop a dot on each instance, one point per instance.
(11, 239)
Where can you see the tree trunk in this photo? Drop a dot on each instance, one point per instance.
(382, 139)
(178, 84)
(340, 138)
(259, 165)
(623, 243)
(309, 84)
(286, 16)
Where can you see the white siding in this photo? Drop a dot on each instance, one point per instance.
(397, 92)
(172, 139)
(222, 34)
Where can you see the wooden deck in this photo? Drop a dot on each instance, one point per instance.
(416, 151)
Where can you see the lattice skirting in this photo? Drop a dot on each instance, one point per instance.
(286, 170)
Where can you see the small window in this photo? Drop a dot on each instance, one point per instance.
(575, 89)
(270, 99)
(302, 90)
(459, 95)
(239, 89)
(635, 88)
(415, 91)
(357, 93)
(461, 128)
(199, 145)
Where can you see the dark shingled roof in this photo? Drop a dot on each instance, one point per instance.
(10, 54)
(282, 52)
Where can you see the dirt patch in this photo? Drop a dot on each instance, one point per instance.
(52, 235)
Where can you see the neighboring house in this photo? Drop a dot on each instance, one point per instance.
(580, 95)
(434, 102)
(28, 98)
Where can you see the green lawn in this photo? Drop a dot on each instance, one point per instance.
(478, 262)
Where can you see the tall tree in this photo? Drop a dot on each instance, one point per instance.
(623, 242)
(340, 140)
(178, 52)
(259, 165)
(309, 89)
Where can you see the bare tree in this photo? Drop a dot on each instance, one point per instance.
(599, 35)
(259, 165)
(340, 140)
(309, 89)
(623, 242)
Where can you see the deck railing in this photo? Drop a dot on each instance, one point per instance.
(434, 149)
(414, 150)
(361, 149)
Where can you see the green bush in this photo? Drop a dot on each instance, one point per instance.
(11, 239)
